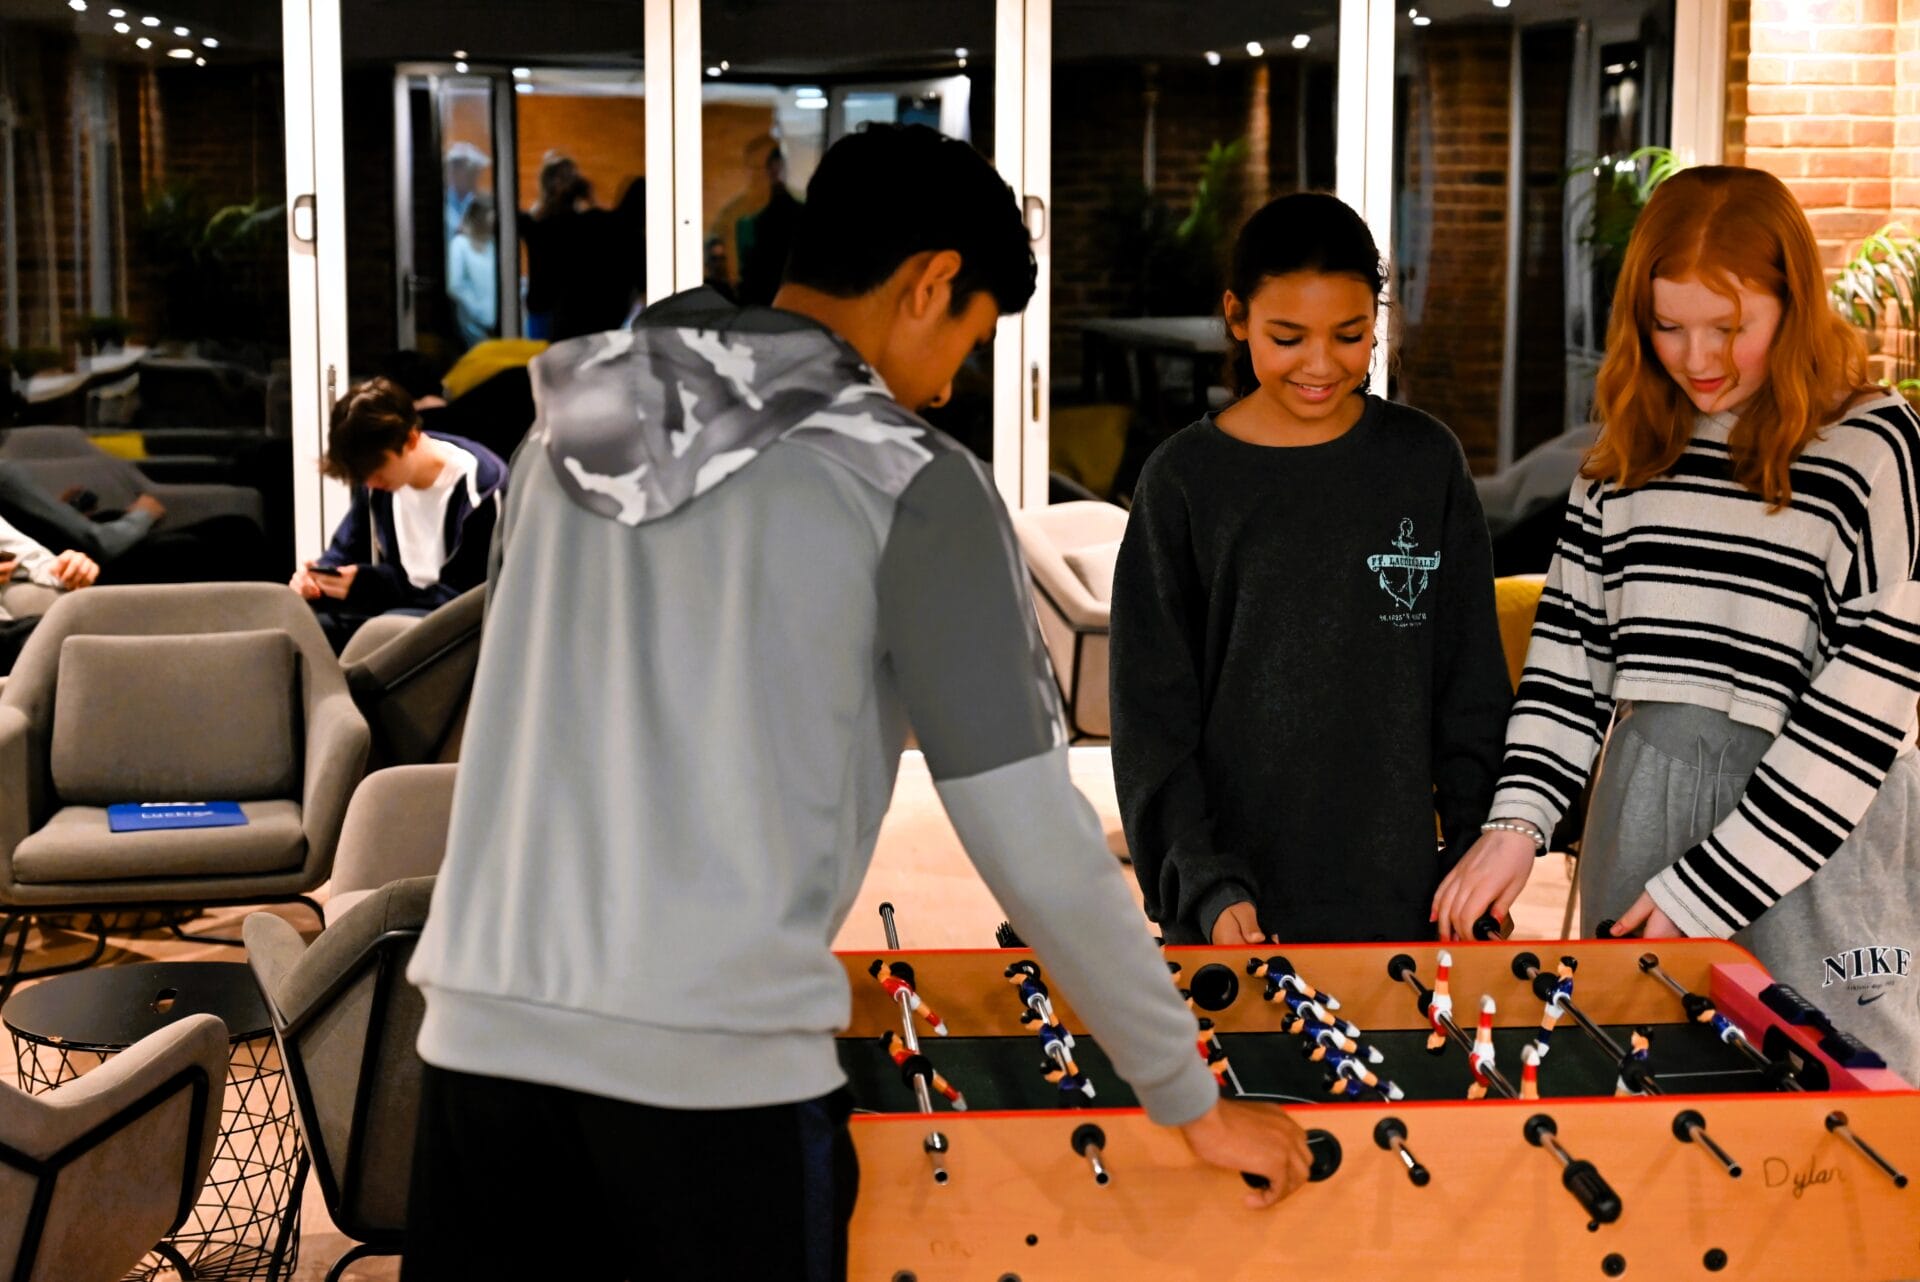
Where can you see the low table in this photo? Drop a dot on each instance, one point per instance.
(246, 1223)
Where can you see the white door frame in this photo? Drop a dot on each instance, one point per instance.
(1700, 65)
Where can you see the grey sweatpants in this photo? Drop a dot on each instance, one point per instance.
(1846, 938)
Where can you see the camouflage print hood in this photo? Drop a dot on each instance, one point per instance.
(638, 423)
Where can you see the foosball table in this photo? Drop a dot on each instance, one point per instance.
(1539, 1110)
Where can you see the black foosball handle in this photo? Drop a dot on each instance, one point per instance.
(1489, 927)
(1391, 1135)
(1591, 1191)
(1324, 1146)
(1605, 929)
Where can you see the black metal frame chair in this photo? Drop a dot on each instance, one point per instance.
(45, 1172)
(387, 954)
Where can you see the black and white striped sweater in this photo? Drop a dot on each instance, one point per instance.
(1804, 623)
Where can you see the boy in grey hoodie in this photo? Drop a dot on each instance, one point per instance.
(734, 567)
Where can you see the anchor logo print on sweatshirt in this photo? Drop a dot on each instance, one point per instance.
(1403, 575)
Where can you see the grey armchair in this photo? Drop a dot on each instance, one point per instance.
(207, 691)
(1069, 549)
(57, 458)
(412, 678)
(93, 1174)
(343, 1013)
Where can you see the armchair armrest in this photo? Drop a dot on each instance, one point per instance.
(20, 791)
(336, 758)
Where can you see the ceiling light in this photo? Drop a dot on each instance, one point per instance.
(963, 62)
(1213, 58)
(1501, 4)
(209, 42)
(959, 53)
(460, 67)
(144, 43)
(149, 21)
(713, 71)
(1616, 68)
(116, 13)
(1302, 40)
(811, 104)
(122, 28)
(1423, 21)
(78, 6)
(725, 65)
(181, 32)
(1255, 49)
(179, 53)
(523, 73)
(199, 62)
(459, 53)
(523, 88)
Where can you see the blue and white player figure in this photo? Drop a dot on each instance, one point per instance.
(1276, 972)
(1557, 1004)
(1353, 1069)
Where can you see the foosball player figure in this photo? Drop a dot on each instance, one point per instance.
(1440, 1002)
(1635, 1063)
(1274, 971)
(1025, 977)
(1070, 1083)
(897, 1051)
(1556, 1004)
(1352, 1068)
(897, 978)
(1212, 1053)
(1482, 1056)
(1052, 1037)
(1530, 1071)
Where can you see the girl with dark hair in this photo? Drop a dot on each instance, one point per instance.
(1306, 663)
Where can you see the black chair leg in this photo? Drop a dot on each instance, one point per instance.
(16, 972)
(360, 1252)
(222, 940)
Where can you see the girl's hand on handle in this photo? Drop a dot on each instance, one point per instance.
(1488, 879)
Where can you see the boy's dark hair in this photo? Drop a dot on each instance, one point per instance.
(1305, 231)
(889, 192)
(372, 421)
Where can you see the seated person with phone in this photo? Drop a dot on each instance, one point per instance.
(24, 562)
(421, 524)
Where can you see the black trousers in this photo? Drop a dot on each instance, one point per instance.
(517, 1181)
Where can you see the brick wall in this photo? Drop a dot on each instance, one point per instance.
(41, 73)
(1451, 359)
(1832, 105)
(606, 136)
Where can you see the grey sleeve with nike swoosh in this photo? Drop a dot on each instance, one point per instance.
(957, 624)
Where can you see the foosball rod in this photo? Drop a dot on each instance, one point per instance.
(936, 1144)
(1780, 1074)
(1526, 966)
(1837, 1123)
(1401, 969)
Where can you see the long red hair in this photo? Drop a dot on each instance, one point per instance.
(1725, 227)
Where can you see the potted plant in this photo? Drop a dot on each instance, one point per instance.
(196, 257)
(1882, 280)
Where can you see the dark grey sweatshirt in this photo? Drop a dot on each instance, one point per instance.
(733, 569)
(1306, 666)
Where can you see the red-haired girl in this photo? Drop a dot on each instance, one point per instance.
(1734, 593)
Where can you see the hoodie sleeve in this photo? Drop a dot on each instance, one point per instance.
(352, 539)
(957, 625)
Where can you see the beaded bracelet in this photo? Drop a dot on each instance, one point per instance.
(1520, 826)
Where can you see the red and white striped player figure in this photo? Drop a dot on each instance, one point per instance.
(1212, 1053)
(897, 1051)
(1482, 1057)
(897, 979)
(1440, 1002)
(1530, 1071)
(1557, 1004)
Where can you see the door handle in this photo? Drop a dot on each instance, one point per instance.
(1034, 211)
(302, 222)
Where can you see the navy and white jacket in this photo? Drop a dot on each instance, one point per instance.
(367, 538)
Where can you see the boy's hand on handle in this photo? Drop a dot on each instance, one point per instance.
(1238, 924)
(1488, 879)
(306, 584)
(1646, 917)
(1257, 1139)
